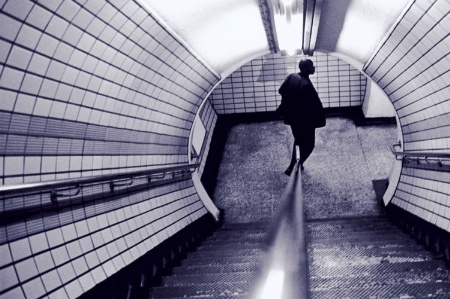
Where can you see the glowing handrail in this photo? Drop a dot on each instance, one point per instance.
(284, 274)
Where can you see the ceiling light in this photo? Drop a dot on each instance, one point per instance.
(288, 22)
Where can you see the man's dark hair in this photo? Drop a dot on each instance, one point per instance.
(304, 63)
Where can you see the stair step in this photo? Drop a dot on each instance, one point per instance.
(373, 242)
(225, 253)
(346, 260)
(211, 278)
(360, 222)
(221, 260)
(246, 226)
(370, 252)
(237, 234)
(321, 271)
(357, 230)
(216, 268)
(346, 227)
(219, 290)
(359, 238)
(361, 280)
(228, 246)
(416, 290)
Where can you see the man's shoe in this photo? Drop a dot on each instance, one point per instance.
(288, 171)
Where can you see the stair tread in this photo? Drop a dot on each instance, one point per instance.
(216, 268)
(234, 246)
(211, 278)
(375, 269)
(219, 290)
(218, 260)
(413, 290)
(359, 280)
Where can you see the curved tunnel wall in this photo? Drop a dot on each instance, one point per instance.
(90, 88)
(412, 67)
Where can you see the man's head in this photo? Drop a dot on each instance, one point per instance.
(306, 66)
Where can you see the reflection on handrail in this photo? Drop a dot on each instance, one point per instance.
(284, 273)
(427, 157)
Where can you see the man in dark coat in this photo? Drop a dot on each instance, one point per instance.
(302, 110)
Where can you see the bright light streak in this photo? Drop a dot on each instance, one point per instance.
(287, 2)
(273, 287)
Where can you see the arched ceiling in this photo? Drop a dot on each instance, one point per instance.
(228, 33)
(224, 33)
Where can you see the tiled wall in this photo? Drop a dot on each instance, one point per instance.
(83, 250)
(90, 88)
(413, 68)
(254, 86)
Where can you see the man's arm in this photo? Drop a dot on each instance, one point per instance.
(284, 88)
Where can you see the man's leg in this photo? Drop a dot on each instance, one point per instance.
(293, 160)
(307, 143)
(305, 138)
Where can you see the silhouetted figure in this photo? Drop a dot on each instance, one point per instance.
(302, 109)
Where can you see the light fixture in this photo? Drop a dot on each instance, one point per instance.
(288, 20)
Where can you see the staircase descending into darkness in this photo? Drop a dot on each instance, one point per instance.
(351, 258)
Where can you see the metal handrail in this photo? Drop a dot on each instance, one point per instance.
(70, 192)
(426, 156)
(286, 246)
(107, 178)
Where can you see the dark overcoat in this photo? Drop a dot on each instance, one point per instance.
(301, 105)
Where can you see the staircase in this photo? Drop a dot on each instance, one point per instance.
(371, 258)
(224, 265)
(353, 258)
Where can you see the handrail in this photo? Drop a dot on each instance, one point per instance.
(426, 156)
(286, 263)
(53, 195)
(111, 178)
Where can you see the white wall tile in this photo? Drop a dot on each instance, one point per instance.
(44, 262)
(66, 273)
(74, 289)
(9, 278)
(51, 280)
(11, 78)
(34, 288)
(26, 269)
(28, 36)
